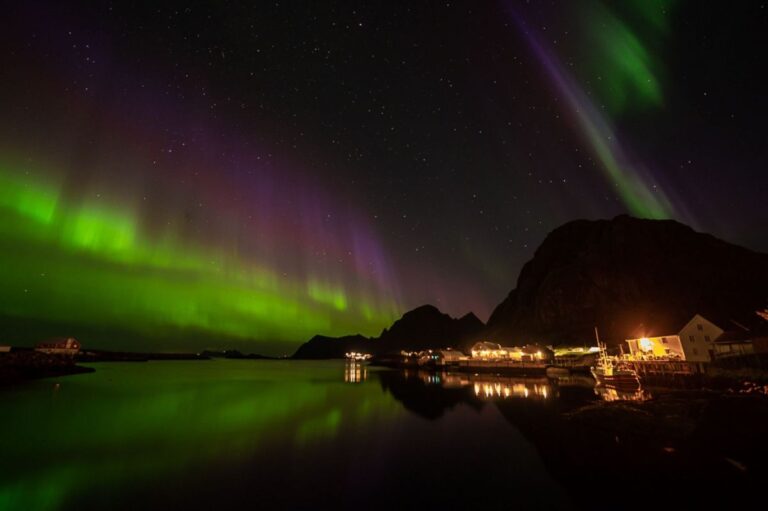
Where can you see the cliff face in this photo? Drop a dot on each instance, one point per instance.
(422, 328)
(616, 274)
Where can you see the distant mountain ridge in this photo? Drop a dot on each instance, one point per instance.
(612, 274)
(424, 327)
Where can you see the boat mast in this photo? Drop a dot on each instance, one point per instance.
(603, 353)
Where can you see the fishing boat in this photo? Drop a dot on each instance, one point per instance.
(611, 372)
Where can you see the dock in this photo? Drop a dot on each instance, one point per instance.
(667, 371)
(496, 366)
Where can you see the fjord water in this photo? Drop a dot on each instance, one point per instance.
(226, 434)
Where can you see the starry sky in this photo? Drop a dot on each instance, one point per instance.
(247, 174)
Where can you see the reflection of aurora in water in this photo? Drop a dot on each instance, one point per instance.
(274, 434)
(124, 425)
(138, 435)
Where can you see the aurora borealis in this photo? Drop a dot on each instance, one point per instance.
(246, 175)
(109, 271)
(627, 75)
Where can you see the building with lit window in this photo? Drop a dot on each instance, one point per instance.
(529, 353)
(59, 346)
(691, 342)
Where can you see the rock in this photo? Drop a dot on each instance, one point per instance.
(617, 274)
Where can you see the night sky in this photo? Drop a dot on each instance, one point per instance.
(247, 174)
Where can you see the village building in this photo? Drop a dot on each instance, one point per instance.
(734, 343)
(59, 346)
(485, 350)
(447, 357)
(692, 342)
(444, 357)
(743, 340)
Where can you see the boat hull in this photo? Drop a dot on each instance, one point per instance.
(621, 380)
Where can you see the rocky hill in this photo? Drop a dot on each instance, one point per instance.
(617, 274)
(427, 328)
(321, 346)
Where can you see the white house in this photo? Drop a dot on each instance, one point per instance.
(59, 346)
(693, 342)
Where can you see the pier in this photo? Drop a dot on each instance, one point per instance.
(667, 371)
(496, 366)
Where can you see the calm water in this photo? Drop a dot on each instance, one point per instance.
(212, 435)
(227, 434)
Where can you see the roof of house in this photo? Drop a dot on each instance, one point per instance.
(738, 335)
(485, 345)
(55, 341)
(658, 327)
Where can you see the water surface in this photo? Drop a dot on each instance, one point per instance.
(226, 434)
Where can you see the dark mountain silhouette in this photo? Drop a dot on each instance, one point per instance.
(617, 274)
(424, 327)
(321, 346)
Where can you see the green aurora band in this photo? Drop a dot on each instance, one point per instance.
(83, 263)
(628, 69)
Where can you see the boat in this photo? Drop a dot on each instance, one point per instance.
(611, 372)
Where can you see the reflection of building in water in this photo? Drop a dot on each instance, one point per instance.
(355, 371)
(510, 389)
(488, 386)
(612, 394)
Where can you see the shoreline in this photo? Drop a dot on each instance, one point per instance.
(18, 366)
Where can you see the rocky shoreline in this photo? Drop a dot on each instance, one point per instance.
(27, 365)
(676, 438)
